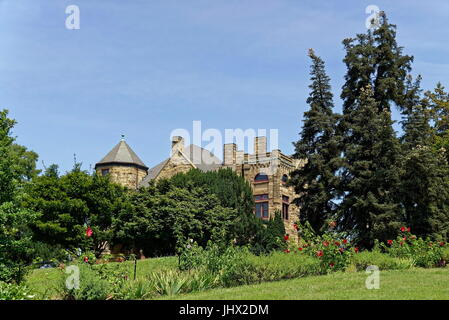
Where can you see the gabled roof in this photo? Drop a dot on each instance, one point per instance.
(190, 152)
(122, 154)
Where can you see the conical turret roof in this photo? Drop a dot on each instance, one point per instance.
(122, 154)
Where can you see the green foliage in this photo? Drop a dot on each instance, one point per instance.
(159, 219)
(15, 242)
(383, 261)
(316, 183)
(423, 253)
(270, 236)
(275, 266)
(68, 204)
(11, 291)
(371, 173)
(333, 252)
(91, 285)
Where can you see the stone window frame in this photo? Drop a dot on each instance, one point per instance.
(257, 177)
(262, 201)
(285, 207)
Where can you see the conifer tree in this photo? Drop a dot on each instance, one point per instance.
(425, 182)
(370, 174)
(376, 59)
(316, 182)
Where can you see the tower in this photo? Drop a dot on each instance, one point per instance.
(123, 166)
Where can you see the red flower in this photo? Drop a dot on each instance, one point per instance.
(403, 229)
(390, 242)
(86, 259)
(408, 229)
(402, 243)
(441, 244)
(337, 243)
(287, 251)
(89, 232)
(345, 241)
(286, 237)
(325, 243)
(331, 264)
(356, 249)
(341, 250)
(319, 253)
(300, 249)
(405, 238)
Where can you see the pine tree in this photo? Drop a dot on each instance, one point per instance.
(316, 182)
(425, 182)
(370, 175)
(376, 59)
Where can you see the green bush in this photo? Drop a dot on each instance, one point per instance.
(168, 282)
(276, 266)
(11, 291)
(91, 285)
(385, 262)
(424, 253)
(140, 289)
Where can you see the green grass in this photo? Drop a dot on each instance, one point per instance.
(44, 282)
(397, 284)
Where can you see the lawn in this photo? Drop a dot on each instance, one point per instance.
(406, 284)
(43, 282)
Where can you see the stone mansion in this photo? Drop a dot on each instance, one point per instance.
(267, 172)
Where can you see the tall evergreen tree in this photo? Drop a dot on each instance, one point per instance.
(375, 59)
(425, 180)
(316, 182)
(370, 175)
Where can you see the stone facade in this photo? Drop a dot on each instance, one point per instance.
(267, 173)
(127, 175)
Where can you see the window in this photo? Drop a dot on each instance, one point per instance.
(260, 177)
(104, 172)
(285, 205)
(284, 179)
(261, 206)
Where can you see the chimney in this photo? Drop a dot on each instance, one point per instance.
(177, 144)
(229, 153)
(260, 146)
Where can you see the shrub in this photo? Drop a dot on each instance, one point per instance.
(214, 258)
(276, 266)
(385, 262)
(11, 291)
(334, 253)
(424, 253)
(135, 290)
(168, 282)
(91, 285)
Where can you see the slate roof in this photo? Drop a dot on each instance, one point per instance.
(190, 151)
(122, 154)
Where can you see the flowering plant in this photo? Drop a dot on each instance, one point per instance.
(334, 253)
(423, 253)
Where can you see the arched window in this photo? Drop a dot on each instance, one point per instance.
(284, 179)
(261, 177)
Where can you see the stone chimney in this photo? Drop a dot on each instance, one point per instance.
(260, 146)
(229, 154)
(177, 144)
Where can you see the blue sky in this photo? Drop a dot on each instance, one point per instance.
(144, 68)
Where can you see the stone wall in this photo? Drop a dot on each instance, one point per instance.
(125, 175)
